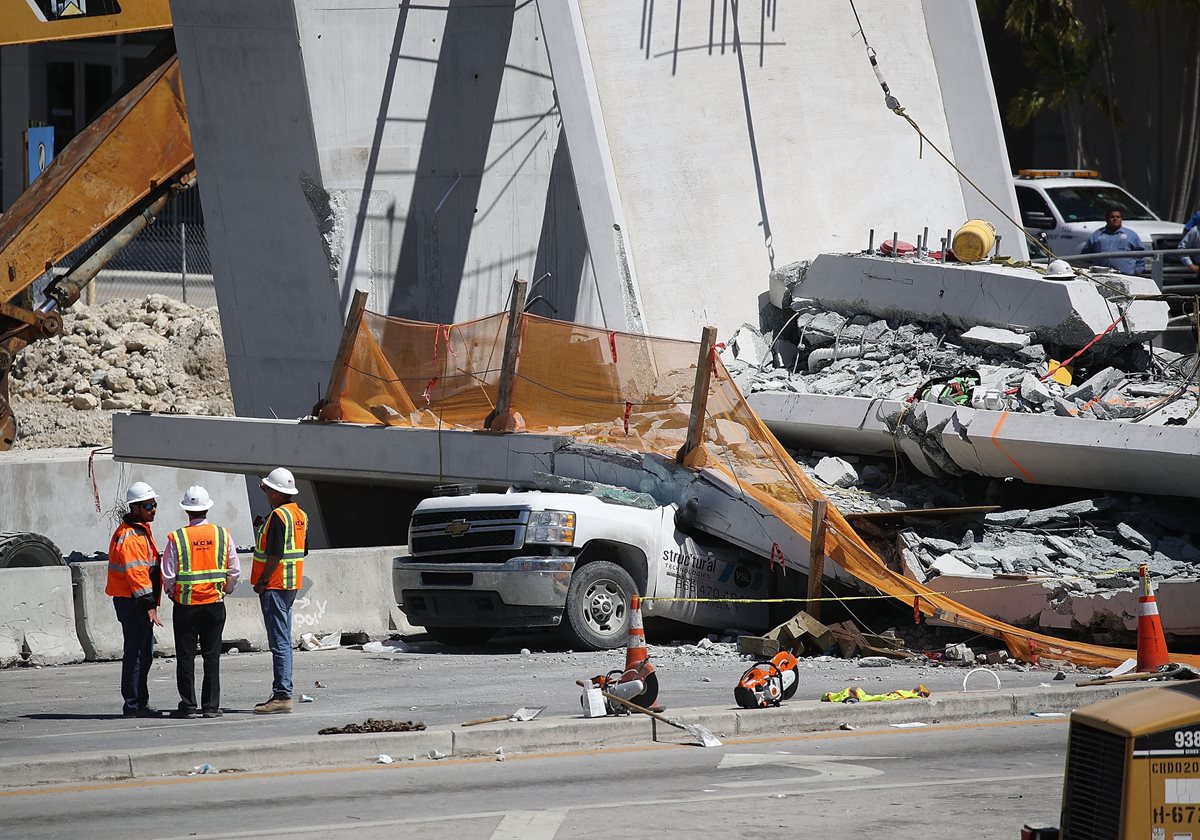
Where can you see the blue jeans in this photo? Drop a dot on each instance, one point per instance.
(277, 616)
(138, 635)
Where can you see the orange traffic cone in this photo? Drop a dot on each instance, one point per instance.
(1151, 643)
(637, 657)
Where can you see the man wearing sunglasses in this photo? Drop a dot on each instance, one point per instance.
(134, 584)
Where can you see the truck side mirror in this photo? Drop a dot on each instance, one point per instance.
(1038, 220)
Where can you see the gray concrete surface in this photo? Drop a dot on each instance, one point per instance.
(960, 780)
(49, 492)
(1035, 448)
(63, 724)
(955, 780)
(37, 617)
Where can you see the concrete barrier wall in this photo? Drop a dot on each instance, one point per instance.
(48, 491)
(36, 615)
(345, 590)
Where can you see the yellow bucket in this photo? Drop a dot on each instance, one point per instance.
(974, 241)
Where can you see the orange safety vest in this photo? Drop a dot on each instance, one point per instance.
(202, 551)
(290, 571)
(131, 555)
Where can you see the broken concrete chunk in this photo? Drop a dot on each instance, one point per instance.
(874, 662)
(994, 338)
(1033, 391)
(1033, 354)
(730, 433)
(1003, 518)
(940, 546)
(1133, 537)
(959, 653)
(1065, 548)
(836, 472)
(948, 564)
(1062, 513)
(1096, 385)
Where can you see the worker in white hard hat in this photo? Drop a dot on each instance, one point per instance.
(133, 583)
(277, 574)
(199, 568)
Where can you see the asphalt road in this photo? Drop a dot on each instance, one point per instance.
(972, 781)
(76, 708)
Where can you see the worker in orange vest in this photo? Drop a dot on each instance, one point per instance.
(199, 568)
(133, 583)
(277, 574)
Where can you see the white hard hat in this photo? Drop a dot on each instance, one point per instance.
(139, 491)
(196, 499)
(1060, 270)
(282, 481)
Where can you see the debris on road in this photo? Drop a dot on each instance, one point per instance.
(373, 725)
(327, 641)
(384, 758)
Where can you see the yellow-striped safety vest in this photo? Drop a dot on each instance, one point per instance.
(202, 551)
(290, 571)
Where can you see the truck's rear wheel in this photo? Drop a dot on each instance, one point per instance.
(597, 611)
(22, 549)
(462, 636)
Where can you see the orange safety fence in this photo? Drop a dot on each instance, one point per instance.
(631, 392)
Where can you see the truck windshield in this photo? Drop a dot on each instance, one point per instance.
(1090, 204)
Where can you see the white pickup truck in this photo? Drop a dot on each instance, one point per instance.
(485, 561)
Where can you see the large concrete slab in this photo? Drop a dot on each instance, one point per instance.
(1069, 313)
(76, 499)
(37, 620)
(1035, 448)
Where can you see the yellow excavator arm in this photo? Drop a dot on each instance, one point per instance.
(116, 174)
(32, 21)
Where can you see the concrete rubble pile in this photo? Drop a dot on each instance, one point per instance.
(1085, 545)
(824, 352)
(152, 354)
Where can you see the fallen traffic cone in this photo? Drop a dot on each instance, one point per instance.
(637, 657)
(1151, 643)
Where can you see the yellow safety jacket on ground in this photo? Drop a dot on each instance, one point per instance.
(857, 695)
(290, 571)
(203, 552)
(131, 556)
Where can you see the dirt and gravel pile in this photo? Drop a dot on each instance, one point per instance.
(152, 354)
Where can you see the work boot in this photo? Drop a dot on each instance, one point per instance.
(275, 706)
(183, 712)
(212, 713)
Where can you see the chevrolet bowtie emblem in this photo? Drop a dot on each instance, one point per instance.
(458, 527)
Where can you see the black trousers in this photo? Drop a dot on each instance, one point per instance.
(198, 626)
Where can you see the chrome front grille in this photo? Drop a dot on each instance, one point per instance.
(460, 531)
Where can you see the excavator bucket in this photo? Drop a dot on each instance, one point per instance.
(128, 155)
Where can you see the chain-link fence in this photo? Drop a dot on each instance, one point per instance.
(170, 257)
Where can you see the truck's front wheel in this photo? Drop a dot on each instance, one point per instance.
(597, 611)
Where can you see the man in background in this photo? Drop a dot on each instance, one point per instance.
(1114, 237)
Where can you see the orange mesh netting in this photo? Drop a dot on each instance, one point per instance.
(630, 392)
